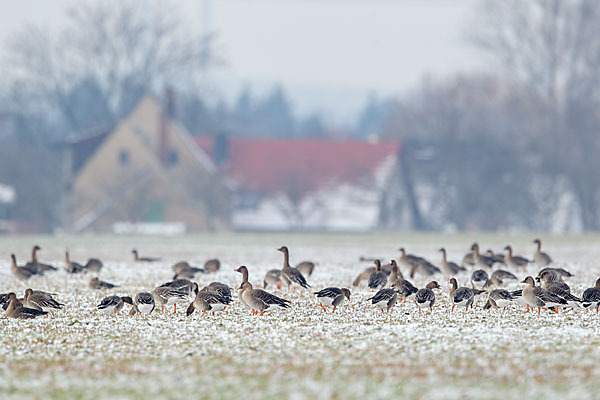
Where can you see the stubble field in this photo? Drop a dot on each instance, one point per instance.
(357, 352)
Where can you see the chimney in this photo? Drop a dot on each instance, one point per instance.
(167, 113)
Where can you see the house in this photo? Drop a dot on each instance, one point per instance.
(305, 184)
(146, 169)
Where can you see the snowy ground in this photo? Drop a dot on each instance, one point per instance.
(302, 353)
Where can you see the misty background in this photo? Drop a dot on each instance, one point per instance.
(495, 103)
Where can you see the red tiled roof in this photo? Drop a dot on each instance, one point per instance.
(271, 166)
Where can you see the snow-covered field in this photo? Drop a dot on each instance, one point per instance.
(357, 352)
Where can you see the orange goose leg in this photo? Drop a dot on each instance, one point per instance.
(539, 310)
(452, 310)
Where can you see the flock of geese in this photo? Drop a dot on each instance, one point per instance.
(386, 280)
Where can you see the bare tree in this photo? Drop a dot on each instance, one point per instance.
(552, 47)
(116, 50)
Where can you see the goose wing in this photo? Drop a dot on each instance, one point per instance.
(462, 293)
(44, 301)
(296, 276)
(424, 296)
(110, 301)
(377, 279)
(270, 299)
(331, 292)
(382, 295)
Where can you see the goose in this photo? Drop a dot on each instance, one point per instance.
(94, 265)
(143, 303)
(514, 261)
(273, 278)
(480, 260)
(244, 271)
(408, 260)
(332, 297)
(426, 297)
(21, 273)
(16, 309)
(41, 301)
(591, 296)
(207, 301)
(165, 295)
(221, 288)
(498, 258)
(260, 300)
(36, 266)
(137, 258)
(572, 301)
(538, 297)
(184, 285)
(468, 259)
(72, 267)
(518, 298)
(184, 269)
(499, 277)
(384, 299)
(539, 257)
(291, 276)
(549, 275)
(97, 284)
(461, 296)
(378, 279)
(404, 288)
(424, 267)
(449, 268)
(306, 267)
(394, 275)
(113, 304)
(559, 272)
(550, 279)
(387, 269)
(479, 279)
(498, 298)
(212, 265)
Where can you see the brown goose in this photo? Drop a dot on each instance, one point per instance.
(496, 257)
(332, 297)
(378, 279)
(448, 268)
(291, 276)
(208, 301)
(408, 260)
(94, 265)
(273, 278)
(183, 269)
(16, 309)
(212, 265)
(591, 296)
(426, 297)
(384, 299)
(480, 260)
(36, 266)
(137, 258)
(462, 296)
(97, 284)
(72, 267)
(143, 303)
(260, 300)
(499, 278)
(514, 261)
(244, 271)
(306, 267)
(537, 297)
(113, 304)
(539, 257)
(41, 301)
(21, 273)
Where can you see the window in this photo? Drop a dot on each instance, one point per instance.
(124, 157)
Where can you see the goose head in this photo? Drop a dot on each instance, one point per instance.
(433, 285)
(346, 292)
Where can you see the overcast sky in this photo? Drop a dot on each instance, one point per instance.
(328, 54)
